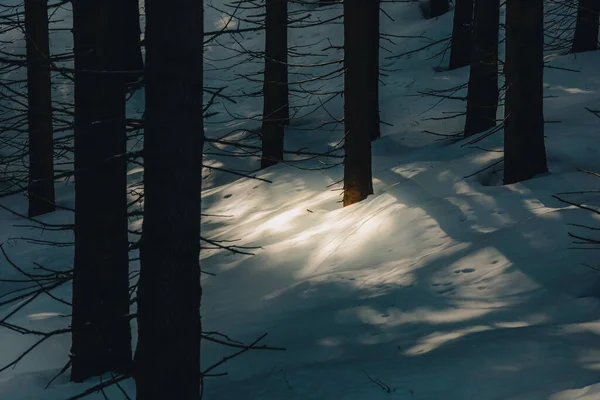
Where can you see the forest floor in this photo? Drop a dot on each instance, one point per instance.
(442, 285)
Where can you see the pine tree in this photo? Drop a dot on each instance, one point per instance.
(460, 47)
(275, 107)
(586, 28)
(359, 118)
(41, 152)
(482, 97)
(167, 360)
(524, 149)
(101, 333)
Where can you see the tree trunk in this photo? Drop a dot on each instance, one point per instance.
(586, 29)
(39, 112)
(460, 48)
(167, 360)
(372, 22)
(482, 97)
(438, 8)
(359, 118)
(101, 332)
(524, 151)
(133, 54)
(276, 109)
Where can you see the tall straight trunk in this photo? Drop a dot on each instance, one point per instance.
(460, 47)
(372, 22)
(101, 332)
(276, 110)
(524, 149)
(39, 112)
(359, 118)
(438, 8)
(167, 360)
(586, 29)
(482, 97)
(133, 54)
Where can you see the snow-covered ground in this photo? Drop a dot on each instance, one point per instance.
(437, 287)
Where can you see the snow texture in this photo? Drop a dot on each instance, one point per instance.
(436, 287)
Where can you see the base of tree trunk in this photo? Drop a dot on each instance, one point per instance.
(272, 147)
(275, 87)
(482, 96)
(586, 28)
(524, 147)
(434, 8)
(360, 119)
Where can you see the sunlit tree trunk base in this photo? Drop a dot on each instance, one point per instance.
(360, 119)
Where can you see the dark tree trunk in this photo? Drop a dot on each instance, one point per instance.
(276, 109)
(372, 22)
(586, 29)
(39, 112)
(101, 332)
(167, 360)
(524, 149)
(438, 8)
(482, 98)
(133, 54)
(460, 48)
(359, 118)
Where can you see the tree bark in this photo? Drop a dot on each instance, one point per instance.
(167, 360)
(101, 333)
(133, 56)
(586, 29)
(524, 150)
(359, 118)
(460, 47)
(39, 112)
(275, 107)
(482, 97)
(438, 8)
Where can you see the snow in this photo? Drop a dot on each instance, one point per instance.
(437, 287)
